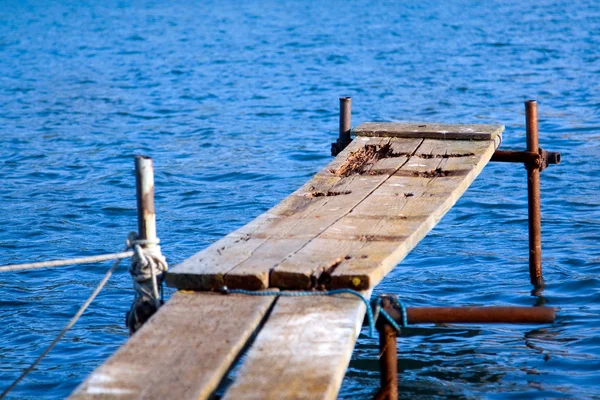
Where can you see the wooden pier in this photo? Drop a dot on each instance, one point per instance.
(346, 228)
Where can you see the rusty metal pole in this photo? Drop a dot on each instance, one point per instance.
(345, 119)
(388, 357)
(388, 363)
(144, 185)
(473, 315)
(344, 137)
(533, 197)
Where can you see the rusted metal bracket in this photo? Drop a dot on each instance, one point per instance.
(388, 357)
(345, 126)
(536, 160)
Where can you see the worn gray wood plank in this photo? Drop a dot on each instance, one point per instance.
(312, 221)
(391, 239)
(429, 130)
(206, 269)
(245, 258)
(378, 190)
(182, 352)
(302, 351)
(359, 249)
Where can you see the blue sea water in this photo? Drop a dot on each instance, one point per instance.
(237, 104)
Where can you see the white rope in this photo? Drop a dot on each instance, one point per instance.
(66, 328)
(71, 261)
(148, 267)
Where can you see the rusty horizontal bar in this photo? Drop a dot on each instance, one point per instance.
(526, 157)
(474, 315)
(552, 157)
(516, 156)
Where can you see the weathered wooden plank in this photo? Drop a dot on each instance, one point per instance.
(423, 210)
(182, 352)
(429, 130)
(377, 190)
(364, 245)
(206, 269)
(245, 258)
(309, 223)
(302, 351)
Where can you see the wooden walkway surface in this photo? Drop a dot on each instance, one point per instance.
(346, 228)
(356, 219)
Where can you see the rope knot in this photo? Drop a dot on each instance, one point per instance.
(148, 267)
(393, 301)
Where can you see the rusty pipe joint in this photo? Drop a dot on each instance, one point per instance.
(387, 301)
(547, 158)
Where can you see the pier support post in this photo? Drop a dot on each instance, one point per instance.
(536, 160)
(388, 357)
(388, 363)
(344, 138)
(533, 196)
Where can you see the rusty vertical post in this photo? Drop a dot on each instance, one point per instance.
(345, 120)
(388, 357)
(388, 363)
(344, 137)
(533, 196)
(144, 187)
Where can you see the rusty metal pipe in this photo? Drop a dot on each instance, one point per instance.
(541, 159)
(388, 355)
(534, 197)
(536, 160)
(345, 137)
(524, 157)
(140, 312)
(388, 363)
(474, 315)
(552, 157)
(345, 119)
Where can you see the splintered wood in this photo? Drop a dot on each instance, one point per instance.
(356, 219)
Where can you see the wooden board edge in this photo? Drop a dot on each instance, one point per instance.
(191, 281)
(370, 129)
